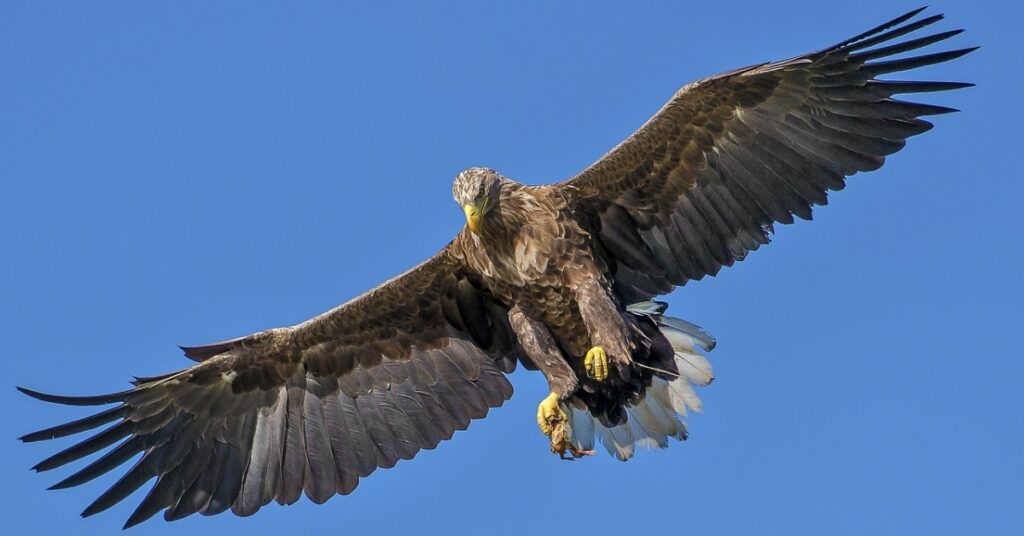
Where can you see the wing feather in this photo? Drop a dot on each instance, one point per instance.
(702, 183)
(308, 409)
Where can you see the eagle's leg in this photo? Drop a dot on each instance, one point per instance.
(608, 332)
(542, 350)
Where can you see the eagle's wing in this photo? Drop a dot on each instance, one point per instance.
(312, 408)
(704, 180)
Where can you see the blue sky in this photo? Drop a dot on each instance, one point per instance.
(179, 174)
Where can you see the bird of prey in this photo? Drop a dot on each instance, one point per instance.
(559, 278)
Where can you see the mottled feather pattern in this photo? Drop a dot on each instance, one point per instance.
(703, 181)
(312, 435)
(551, 272)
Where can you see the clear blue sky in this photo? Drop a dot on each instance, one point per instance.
(179, 173)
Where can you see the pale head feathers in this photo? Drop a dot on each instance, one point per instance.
(476, 183)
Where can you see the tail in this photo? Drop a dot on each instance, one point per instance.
(670, 397)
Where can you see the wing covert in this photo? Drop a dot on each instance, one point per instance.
(307, 409)
(702, 183)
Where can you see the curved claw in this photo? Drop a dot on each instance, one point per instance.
(549, 414)
(596, 363)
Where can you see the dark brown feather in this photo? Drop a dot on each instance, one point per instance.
(315, 407)
(311, 408)
(777, 136)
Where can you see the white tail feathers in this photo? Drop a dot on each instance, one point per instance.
(658, 416)
(693, 331)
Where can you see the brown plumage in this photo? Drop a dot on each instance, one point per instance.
(541, 276)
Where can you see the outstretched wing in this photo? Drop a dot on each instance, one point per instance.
(310, 408)
(703, 181)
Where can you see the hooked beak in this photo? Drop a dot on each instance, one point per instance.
(473, 217)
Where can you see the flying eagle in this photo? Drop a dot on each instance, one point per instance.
(559, 278)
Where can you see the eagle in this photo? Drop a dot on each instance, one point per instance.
(560, 278)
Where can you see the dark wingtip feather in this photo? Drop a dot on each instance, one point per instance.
(103, 465)
(74, 427)
(905, 46)
(906, 64)
(893, 34)
(902, 87)
(63, 484)
(101, 503)
(93, 444)
(144, 511)
(885, 26)
(96, 400)
(895, 22)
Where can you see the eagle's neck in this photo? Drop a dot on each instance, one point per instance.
(519, 235)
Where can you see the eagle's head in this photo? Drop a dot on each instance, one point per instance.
(477, 190)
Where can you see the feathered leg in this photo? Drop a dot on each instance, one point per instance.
(541, 349)
(609, 335)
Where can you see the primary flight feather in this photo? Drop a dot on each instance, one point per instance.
(559, 277)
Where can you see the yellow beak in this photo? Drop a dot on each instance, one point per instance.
(473, 217)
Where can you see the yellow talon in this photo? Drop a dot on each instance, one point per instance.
(549, 413)
(596, 363)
